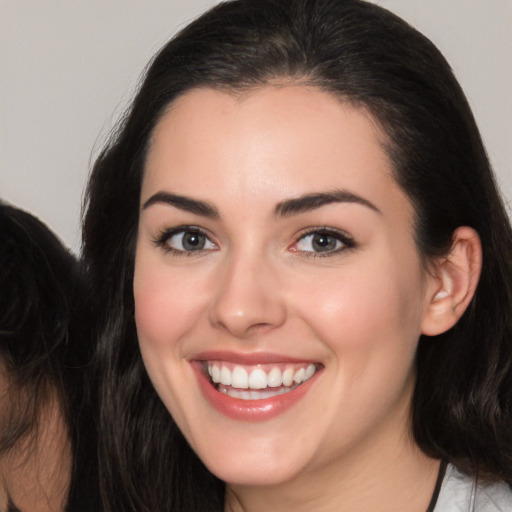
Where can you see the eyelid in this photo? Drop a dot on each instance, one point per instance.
(165, 234)
(347, 241)
(342, 236)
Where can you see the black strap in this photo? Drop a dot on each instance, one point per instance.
(437, 488)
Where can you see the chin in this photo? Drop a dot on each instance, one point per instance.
(263, 464)
(259, 475)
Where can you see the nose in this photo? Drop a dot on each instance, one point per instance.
(248, 298)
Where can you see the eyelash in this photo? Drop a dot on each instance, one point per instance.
(164, 236)
(346, 241)
(343, 238)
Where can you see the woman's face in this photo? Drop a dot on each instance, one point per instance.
(279, 294)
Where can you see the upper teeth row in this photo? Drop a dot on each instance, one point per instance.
(258, 378)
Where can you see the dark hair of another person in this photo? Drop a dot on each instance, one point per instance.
(44, 350)
(370, 58)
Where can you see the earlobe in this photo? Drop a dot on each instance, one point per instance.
(453, 283)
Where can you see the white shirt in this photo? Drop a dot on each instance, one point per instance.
(461, 493)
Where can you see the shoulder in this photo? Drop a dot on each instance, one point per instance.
(462, 493)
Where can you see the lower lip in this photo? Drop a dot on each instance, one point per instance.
(250, 410)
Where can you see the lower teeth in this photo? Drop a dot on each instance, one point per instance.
(251, 394)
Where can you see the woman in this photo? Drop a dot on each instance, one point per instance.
(303, 273)
(47, 448)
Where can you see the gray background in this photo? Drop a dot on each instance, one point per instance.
(68, 69)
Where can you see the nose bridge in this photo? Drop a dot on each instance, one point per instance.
(247, 298)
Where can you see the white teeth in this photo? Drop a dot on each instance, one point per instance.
(225, 376)
(258, 378)
(254, 395)
(214, 373)
(274, 378)
(288, 377)
(298, 376)
(310, 371)
(239, 378)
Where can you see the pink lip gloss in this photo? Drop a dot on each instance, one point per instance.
(249, 410)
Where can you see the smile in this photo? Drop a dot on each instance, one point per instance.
(254, 387)
(258, 382)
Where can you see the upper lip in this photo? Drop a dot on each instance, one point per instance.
(247, 358)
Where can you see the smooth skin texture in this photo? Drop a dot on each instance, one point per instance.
(263, 283)
(35, 473)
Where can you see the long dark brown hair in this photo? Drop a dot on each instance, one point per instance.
(363, 54)
(45, 351)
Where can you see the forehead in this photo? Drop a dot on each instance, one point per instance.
(277, 141)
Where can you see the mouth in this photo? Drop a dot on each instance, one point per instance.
(260, 381)
(254, 387)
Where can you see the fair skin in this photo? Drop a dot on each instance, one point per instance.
(272, 234)
(35, 472)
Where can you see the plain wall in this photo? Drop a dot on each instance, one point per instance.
(68, 69)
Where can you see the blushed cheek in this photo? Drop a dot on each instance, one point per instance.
(149, 318)
(155, 313)
(363, 312)
(349, 306)
(152, 310)
(165, 309)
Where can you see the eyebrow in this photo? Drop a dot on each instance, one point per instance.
(313, 201)
(286, 208)
(187, 204)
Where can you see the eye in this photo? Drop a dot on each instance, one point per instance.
(323, 242)
(185, 240)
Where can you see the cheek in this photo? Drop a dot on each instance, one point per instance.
(164, 310)
(372, 306)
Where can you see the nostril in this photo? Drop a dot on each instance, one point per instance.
(247, 302)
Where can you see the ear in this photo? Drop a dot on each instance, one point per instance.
(453, 282)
